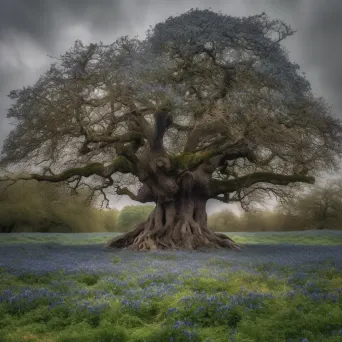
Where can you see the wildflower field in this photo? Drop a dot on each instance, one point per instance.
(68, 288)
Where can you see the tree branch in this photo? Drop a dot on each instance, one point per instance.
(228, 151)
(126, 137)
(228, 66)
(120, 164)
(144, 194)
(226, 186)
(200, 131)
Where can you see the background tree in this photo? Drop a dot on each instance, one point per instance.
(207, 106)
(321, 208)
(31, 206)
(251, 221)
(224, 221)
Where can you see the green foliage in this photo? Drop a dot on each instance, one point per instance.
(172, 334)
(109, 334)
(261, 221)
(47, 207)
(109, 218)
(224, 221)
(255, 221)
(131, 215)
(187, 160)
(321, 208)
(88, 279)
(237, 306)
(54, 239)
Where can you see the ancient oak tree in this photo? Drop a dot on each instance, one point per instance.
(207, 106)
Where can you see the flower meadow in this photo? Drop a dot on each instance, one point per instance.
(68, 288)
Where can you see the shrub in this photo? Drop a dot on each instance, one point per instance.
(132, 215)
(46, 207)
(224, 221)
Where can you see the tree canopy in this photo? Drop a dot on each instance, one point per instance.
(206, 99)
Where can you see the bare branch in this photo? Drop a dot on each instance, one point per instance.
(120, 164)
(215, 157)
(231, 185)
(144, 194)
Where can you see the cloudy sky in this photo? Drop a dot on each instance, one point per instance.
(30, 30)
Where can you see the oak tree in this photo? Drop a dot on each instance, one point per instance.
(207, 106)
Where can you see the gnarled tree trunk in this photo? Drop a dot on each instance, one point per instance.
(177, 224)
(179, 220)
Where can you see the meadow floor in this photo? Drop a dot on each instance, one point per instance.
(67, 288)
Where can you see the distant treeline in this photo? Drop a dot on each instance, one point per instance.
(46, 207)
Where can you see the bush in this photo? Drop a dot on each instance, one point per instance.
(321, 208)
(255, 221)
(132, 215)
(109, 219)
(224, 221)
(259, 221)
(46, 207)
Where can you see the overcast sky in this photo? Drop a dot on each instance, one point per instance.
(32, 29)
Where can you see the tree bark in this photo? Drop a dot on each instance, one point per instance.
(179, 220)
(176, 224)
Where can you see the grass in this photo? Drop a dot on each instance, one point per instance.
(67, 288)
(311, 237)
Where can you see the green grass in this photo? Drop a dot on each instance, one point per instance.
(278, 320)
(253, 317)
(300, 237)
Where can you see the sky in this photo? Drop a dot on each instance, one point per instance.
(31, 31)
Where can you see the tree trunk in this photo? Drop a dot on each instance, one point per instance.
(179, 220)
(176, 224)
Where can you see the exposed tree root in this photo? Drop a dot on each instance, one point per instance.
(185, 234)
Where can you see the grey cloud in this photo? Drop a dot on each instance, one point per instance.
(41, 27)
(43, 20)
(323, 51)
(317, 43)
(42, 24)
